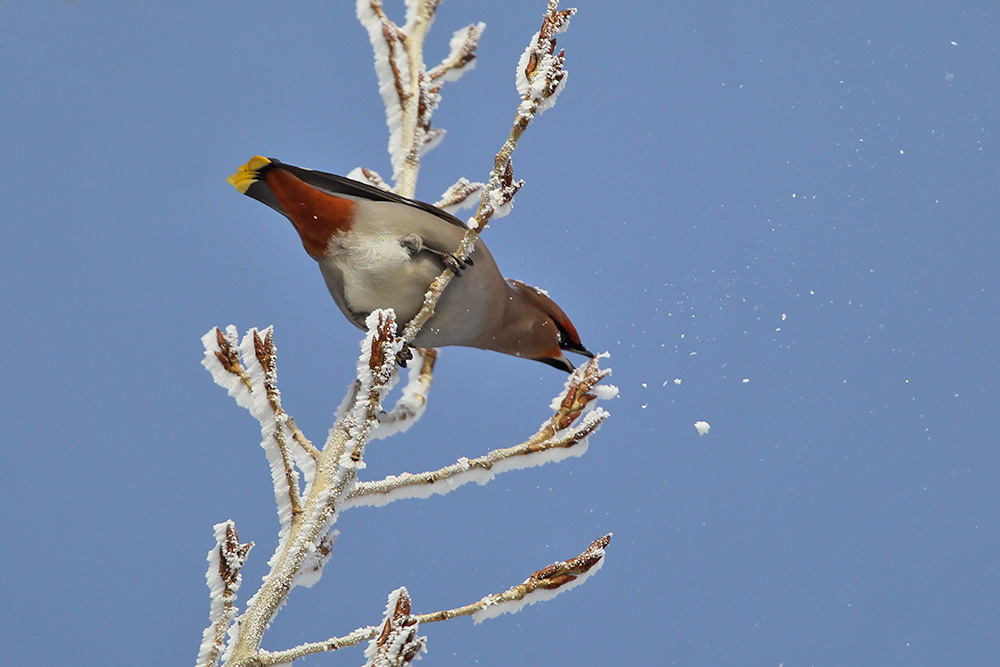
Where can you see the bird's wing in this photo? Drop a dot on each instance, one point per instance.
(343, 186)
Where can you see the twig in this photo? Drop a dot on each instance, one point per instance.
(500, 187)
(225, 562)
(335, 475)
(411, 404)
(553, 579)
(554, 434)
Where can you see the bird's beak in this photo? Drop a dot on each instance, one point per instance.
(248, 174)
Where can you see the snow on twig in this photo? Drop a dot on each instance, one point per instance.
(546, 583)
(542, 585)
(409, 91)
(249, 372)
(540, 73)
(557, 439)
(497, 196)
(369, 176)
(398, 644)
(225, 562)
(411, 405)
(460, 195)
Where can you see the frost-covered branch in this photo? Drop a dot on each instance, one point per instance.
(313, 485)
(248, 370)
(542, 585)
(555, 440)
(540, 78)
(305, 538)
(409, 91)
(224, 564)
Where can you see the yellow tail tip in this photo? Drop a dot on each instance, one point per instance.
(246, 175)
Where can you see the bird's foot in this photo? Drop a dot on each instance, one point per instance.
(454, 263)
(414, 244)
(404, 355)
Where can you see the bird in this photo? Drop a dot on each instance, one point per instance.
(377, 249)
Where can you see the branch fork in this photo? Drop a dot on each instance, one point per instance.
(314, 485)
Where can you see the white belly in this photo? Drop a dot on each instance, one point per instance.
(378, 272)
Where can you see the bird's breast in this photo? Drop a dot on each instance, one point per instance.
(377, 271)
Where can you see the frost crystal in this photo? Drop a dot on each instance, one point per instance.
(225, 561)
(397, 644)
(388, 46)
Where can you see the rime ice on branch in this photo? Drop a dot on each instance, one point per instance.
(410, 91)
(313, 485)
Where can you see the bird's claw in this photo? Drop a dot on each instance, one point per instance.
(404, 355)
(454, 263)
(414, 244)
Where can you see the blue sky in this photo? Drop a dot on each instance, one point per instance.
(802, 196)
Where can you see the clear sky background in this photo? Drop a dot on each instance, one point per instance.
(790, 207)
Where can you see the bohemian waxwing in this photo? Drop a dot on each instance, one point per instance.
(377, 249)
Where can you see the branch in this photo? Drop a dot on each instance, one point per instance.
(543, 584)
(547, 77)
(552, 442)
(410, 93)
(224, 564)
(305, 539)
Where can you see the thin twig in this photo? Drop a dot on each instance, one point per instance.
(549, 578)
(553, 434)
(500, 187)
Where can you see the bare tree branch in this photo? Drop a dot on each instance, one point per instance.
(542, 584)
(248, 370)
(498, 195)
(542, 447)
(224, 565)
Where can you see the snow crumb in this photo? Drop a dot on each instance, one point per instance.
(502, 206)
(745, 380)
(605, 391)
(677, 380)
(702, 427)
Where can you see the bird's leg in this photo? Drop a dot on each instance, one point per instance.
(415, 244)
